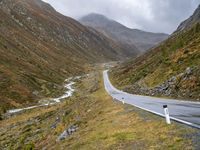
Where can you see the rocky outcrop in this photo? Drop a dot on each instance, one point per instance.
(67, 132)
(183, 85)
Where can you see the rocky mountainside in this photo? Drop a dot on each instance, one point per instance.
(195, 18)
(171, 69)
(40, 48)
(136, 40)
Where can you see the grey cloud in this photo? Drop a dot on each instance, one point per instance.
(148, 15)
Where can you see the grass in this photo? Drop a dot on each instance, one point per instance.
(103, 124)
(170, 58)
(32, 62)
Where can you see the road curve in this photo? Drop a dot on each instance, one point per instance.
(181, 111)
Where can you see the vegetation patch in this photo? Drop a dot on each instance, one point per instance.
(102, 124)
(168, 60)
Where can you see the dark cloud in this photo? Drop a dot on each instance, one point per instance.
(149, 15)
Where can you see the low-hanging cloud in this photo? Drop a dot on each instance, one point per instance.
(148, 15)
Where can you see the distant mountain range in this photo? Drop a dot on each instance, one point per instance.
(134, 39)
(172, 69)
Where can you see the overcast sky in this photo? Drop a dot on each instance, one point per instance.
(149, 15)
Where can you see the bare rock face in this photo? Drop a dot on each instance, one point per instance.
(134, 40)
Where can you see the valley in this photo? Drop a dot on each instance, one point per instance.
(181, 111)
(93, 83)
(168, 70)
(101, 123)
(40, 48)
(134, 40)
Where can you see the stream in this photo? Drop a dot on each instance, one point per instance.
(48, 102)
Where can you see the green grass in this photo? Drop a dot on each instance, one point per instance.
(32, 61)
(124, 136)
(102, 123)
(169, 59)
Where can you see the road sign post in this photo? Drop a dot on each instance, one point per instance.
(166, 112)
(123, 100)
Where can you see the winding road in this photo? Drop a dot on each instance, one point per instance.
(181, 111)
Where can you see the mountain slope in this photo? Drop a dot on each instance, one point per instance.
(171, 69)
(136, 39)
(195, 18)
(40, 48)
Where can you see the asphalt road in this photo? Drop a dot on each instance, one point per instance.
(182, 111)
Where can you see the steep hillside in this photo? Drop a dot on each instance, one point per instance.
(136, 40)
(40, 48)
(172, 69)
(195, 18)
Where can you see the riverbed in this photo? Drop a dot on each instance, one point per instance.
(53, 101)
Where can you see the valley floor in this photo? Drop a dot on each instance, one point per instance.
(100, 123)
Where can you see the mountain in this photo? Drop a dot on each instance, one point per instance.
(171, 69)
(135, 39)
(40, 48)
(195, 18)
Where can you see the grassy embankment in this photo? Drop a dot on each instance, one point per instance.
(169, 59)
(103, 124)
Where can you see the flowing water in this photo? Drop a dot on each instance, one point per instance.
(69, 92)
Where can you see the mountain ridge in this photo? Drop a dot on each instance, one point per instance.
(188, 23)
(121, 33)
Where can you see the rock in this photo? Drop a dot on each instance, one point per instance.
(53, 126)
(38, 131)
(180, 75)
(44, 148)
(168, 92)
(180, 62)
(58, 119)
(62, 136)
(36, 93)
(164, 88)
(28, 18)
(188, 71)
(67, 132)
(89, 110)
(172, 80)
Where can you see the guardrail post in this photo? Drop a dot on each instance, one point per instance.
(166, 112)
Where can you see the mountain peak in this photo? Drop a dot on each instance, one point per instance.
(93, 15)
(134, 38)
(98, 20)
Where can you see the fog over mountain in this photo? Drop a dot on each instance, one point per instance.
(131, 39)
(149, 15)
